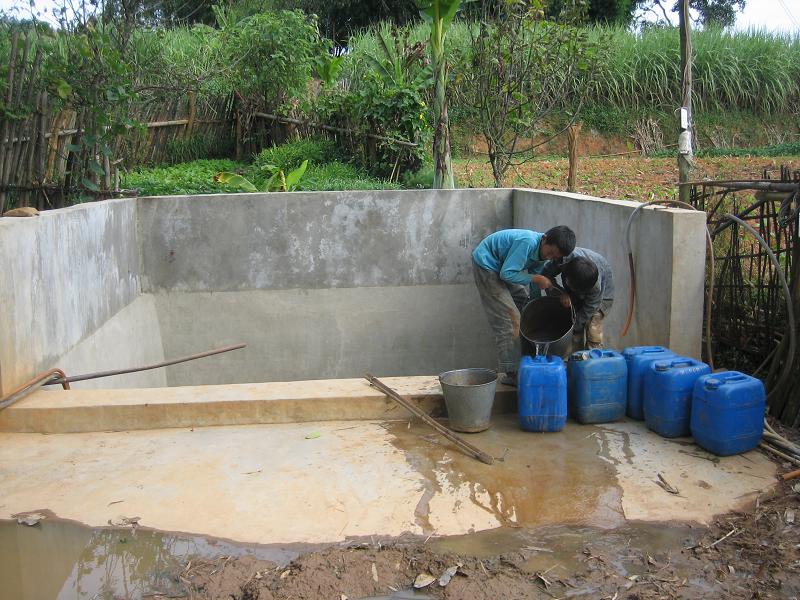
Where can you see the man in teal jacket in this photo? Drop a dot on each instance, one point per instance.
(506, 264)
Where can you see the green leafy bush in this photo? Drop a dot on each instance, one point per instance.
(291, 155)
(419, 180)
(196, 177)
(270, 55)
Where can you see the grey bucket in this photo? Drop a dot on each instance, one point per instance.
(469, 396)
(544, 320)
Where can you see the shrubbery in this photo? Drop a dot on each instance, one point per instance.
(290, 156)
(197, 177)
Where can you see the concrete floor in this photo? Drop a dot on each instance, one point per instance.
(326, 481)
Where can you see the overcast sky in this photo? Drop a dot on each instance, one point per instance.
(772, 15)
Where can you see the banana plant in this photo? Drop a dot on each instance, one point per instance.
(278, 182)
(439, 14)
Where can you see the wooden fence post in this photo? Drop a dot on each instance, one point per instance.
(239, 149)
(192, 114)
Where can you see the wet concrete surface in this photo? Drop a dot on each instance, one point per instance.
(369, 478)
(280, 491)
(537, 478)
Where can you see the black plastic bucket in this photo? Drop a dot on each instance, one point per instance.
(547, 323)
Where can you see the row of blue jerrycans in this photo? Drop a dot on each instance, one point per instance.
(675, 396)
(679, 396)
(595, 382)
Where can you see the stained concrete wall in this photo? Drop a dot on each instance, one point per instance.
(64, 274)
(669, 250)
(320, 285)
(232, 242)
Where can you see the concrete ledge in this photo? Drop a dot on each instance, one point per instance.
(81, 411)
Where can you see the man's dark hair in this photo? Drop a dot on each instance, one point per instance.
(581, 273)
(562, 237)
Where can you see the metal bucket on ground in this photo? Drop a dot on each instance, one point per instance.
(469, 396)
(548, 324)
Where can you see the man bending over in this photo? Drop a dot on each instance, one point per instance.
(505, 265)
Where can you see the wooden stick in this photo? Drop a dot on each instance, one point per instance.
(779, 453)
(469, 448)
(791, 475)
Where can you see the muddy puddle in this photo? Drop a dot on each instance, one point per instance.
(58, 559)
(538, 479)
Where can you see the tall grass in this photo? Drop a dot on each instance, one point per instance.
(752, 70)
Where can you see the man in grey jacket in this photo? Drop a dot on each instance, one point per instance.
(587, 280)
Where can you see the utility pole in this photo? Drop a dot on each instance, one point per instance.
(685, 137)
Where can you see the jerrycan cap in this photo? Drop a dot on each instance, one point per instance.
(662, 366)
(712, 383)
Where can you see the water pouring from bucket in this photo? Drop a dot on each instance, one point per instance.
(546, 327)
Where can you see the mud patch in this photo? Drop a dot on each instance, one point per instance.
(750, 554)
(636, 561)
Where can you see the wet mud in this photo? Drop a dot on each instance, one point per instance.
(751, 554)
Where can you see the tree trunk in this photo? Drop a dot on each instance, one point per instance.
(443, 168)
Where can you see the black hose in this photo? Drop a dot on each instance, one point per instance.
(632, 295)
(787, 365)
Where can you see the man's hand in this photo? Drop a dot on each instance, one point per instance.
(565, 300)
(542, 281)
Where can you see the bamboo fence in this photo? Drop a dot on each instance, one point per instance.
(39, 142)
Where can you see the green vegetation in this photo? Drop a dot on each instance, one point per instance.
(198, 177)
(785, 149)
(741, 70)
(290, 156)
(199, 146)
(250, 55)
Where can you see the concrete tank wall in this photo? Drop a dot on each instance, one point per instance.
(64, 274)
(669, 248)
(322, 285)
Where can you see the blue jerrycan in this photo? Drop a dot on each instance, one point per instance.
(728, 412)
(597, 386)
(542, 393)
(668, 388)
(639, 359)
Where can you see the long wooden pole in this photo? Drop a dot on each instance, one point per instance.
(685, 136)
(464, 445)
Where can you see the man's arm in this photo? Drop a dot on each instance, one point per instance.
(513, 269)
(590, 306)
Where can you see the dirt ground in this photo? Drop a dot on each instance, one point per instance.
(624, 177)
(750, 554)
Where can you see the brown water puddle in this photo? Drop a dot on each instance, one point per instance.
(57, 559)
(539, 479)
(64, 560)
